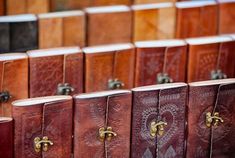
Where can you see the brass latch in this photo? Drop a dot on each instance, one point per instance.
(218, 74)
(4, 97)
(157, 128)
(108, 133)
(115, 84)
(44, 143)
(64, 89)
(163, 78)
(213, 119)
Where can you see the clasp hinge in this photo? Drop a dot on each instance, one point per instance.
(157, 128)
(163, 78)
(64, 89)
(4, 96)
(106, 133)
(213, 120)
(44, 144)
(218, 74)
(115, 84)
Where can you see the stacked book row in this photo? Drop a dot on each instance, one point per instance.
(170, 120)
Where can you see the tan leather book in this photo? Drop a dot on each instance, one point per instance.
(2, 7)
(109, 67)
(210, 58)
(192, 19)
(14, 80)
(151, 1)
(109, 25)
(150, 22)
(56, 71)
(62, 29)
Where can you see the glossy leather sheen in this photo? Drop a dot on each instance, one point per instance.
(172, 111)
(90, 115)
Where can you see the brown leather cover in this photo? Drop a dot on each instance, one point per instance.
(171, 109)
(102, 66)
(51, 117)
(38, 6)
(216, 142)
(2, 7)
(48, 71)
(152, 1)
(93, 113)
(6, 137)
(14, 79)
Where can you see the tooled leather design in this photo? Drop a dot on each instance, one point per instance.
(6, 139)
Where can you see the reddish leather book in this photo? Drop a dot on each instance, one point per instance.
(151, 1)
(14, 80)
(210, 58)
(102, 123)
(62, 29)
(211, 121)
(6, 137)
(55, 71)
(150, 22)
(109, 67)
(160, 61)
(109, 25)
(159, 121)
(2, 7)
(192, 19)
(43, 127)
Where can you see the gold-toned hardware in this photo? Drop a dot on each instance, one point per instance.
(163, 78)
(64, 89)
(218, 74)
(157, 128)
(44, 144)
(108, 133)
(115, 84)
(4, 96)
(215, 119)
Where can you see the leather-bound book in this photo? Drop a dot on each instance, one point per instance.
(102, 122)
(61, 29)
(150, 22)
(6, 137)
(109, 67)
(158, 62)
(211, 121)
(109, 25)
(159, 121)
(43, 127)
(55, 71)
(14, 80)
(151, 1)
(210, 58)
(192, 19)
(60, 5)
(18, 33)
(2, 7)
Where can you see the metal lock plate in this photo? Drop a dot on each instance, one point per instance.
(4, 96)
(213, 120)
(44, 144)
(115, 84)
(157, 128)
(108, 133)
(64, 89)
(163, 78)
(218, 74)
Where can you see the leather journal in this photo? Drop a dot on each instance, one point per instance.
(192, 19)
(151, 1)
(43, 127)
(162, 61)
(108, 25)
(150, 22)
(211, 121)
(14, 80)
(158, 121)
(60, 29)
(18, 33)
(109, 67)
(55, 71)
(210, 58)
(6, 137)
(102, 123)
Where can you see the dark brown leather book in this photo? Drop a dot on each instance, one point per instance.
(2, 7)
(211, 121)
(210, 58)
(14, 80)
(192, 19)
(6, 137)
(109, 67)
(102, 123)
(55, 71)
(109, 25)
(158, 121)
(43, 127)
(162, 61)
(18, 33)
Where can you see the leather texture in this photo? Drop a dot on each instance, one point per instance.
(5, 37)
(151, 1)
(91, 114)
(172, 110)
(6, 137)
(2, 7)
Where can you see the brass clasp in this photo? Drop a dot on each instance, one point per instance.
(4, 97)
(163, 78)
(44, 143)
(218, 74)
(64, 89)
(106, 133)
(115, 84)
(157, 128)
(213, 119)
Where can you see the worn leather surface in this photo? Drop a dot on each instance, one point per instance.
(57, 126)
(5, 37)
(90, 115)
(100, 67)
(114, 27)
(2, 7)
(172, 110)
(6, 138)
(150, 61)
